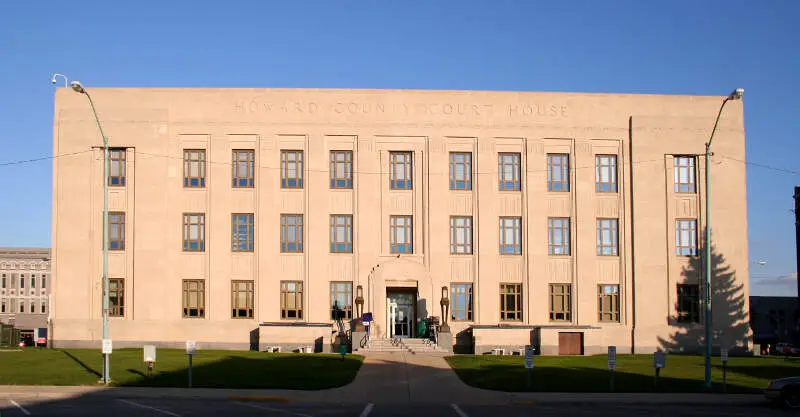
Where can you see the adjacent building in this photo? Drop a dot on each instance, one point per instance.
(25, 283)
(244, 218)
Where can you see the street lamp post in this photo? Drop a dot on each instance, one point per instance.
(106, 368)
(736, 95)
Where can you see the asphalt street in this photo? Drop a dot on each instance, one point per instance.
(95, 406)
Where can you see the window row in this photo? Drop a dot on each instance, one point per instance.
(243, 299)
(23, 305)
(243, 170)
(21, 281)
(341, 300)
(401, 234)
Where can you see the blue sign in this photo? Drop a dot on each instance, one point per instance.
(367, 317)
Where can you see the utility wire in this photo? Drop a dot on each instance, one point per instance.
(154, 155)
(43, 158)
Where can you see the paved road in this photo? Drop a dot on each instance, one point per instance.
(89, 406)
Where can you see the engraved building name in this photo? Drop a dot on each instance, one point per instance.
(513, 110)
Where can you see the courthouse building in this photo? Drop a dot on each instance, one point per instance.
(239, 217)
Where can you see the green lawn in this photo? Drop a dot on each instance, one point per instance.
(634, 373)
(210, 368)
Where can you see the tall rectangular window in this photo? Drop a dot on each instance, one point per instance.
(342, 169)
(116, 230)
(560, 302)
(607, 237)
(194, 232)
(44, 282)
(3, 281)
(557, 172)
(341, 233)
(194, 168)
(686, 237)
(510, 235)
(510, 302)
(460, 235)
(242, 299)
(292, 300)
(341, 300)
(194, 298)
(242, 232)
(401, 165)
(292, 169)
(558, 236)
(605, 173)
(292, 233)
(44, 307)
(461, 296)
(3, 306)
(116, 172)
(684, 171)
(508, 170)
(460, 170)
(116, 297)
(401, 234)
(608, 303)
(688, 303)
(244, 168)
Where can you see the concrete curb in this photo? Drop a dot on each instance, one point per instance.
(334, 396)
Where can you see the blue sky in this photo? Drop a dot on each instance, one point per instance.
(674, 47)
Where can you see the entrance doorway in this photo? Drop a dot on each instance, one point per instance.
(401, 312)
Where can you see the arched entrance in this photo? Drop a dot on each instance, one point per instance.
(400, 295)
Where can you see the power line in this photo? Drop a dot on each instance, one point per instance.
(43, 158)
(760, 165)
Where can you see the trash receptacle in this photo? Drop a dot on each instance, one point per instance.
(422, 328)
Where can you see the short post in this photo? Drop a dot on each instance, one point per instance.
(149, 358)
(723, 353)
(529, 351)
(191, 349)
(659, 361)
(612, 365)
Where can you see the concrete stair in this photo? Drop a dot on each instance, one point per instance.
(422, 346)
(384, 345)
(413, 346)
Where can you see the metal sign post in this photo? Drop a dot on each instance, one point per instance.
(107, 349)
(191, 349)
(659, 361)
(529, 351)
(723, 353)
(612, 365)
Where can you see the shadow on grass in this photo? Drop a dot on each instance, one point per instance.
(765, 372)
(301, 372)
(512, 377)
(82, 364)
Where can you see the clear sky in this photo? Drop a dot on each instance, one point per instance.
(704, 47)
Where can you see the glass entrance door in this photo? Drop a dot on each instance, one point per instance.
(400, 314)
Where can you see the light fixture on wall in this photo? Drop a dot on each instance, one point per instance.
(359, 301)
(445, 303)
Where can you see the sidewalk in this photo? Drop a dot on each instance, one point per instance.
(385, 378)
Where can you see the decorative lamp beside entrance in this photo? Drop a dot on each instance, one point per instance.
(445, 303)
(359, 301)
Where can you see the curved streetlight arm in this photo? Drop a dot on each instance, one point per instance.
(707, 293)
(106, 304)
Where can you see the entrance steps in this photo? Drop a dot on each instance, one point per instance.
(402, 345)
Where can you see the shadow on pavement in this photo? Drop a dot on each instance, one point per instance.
(296, 379)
